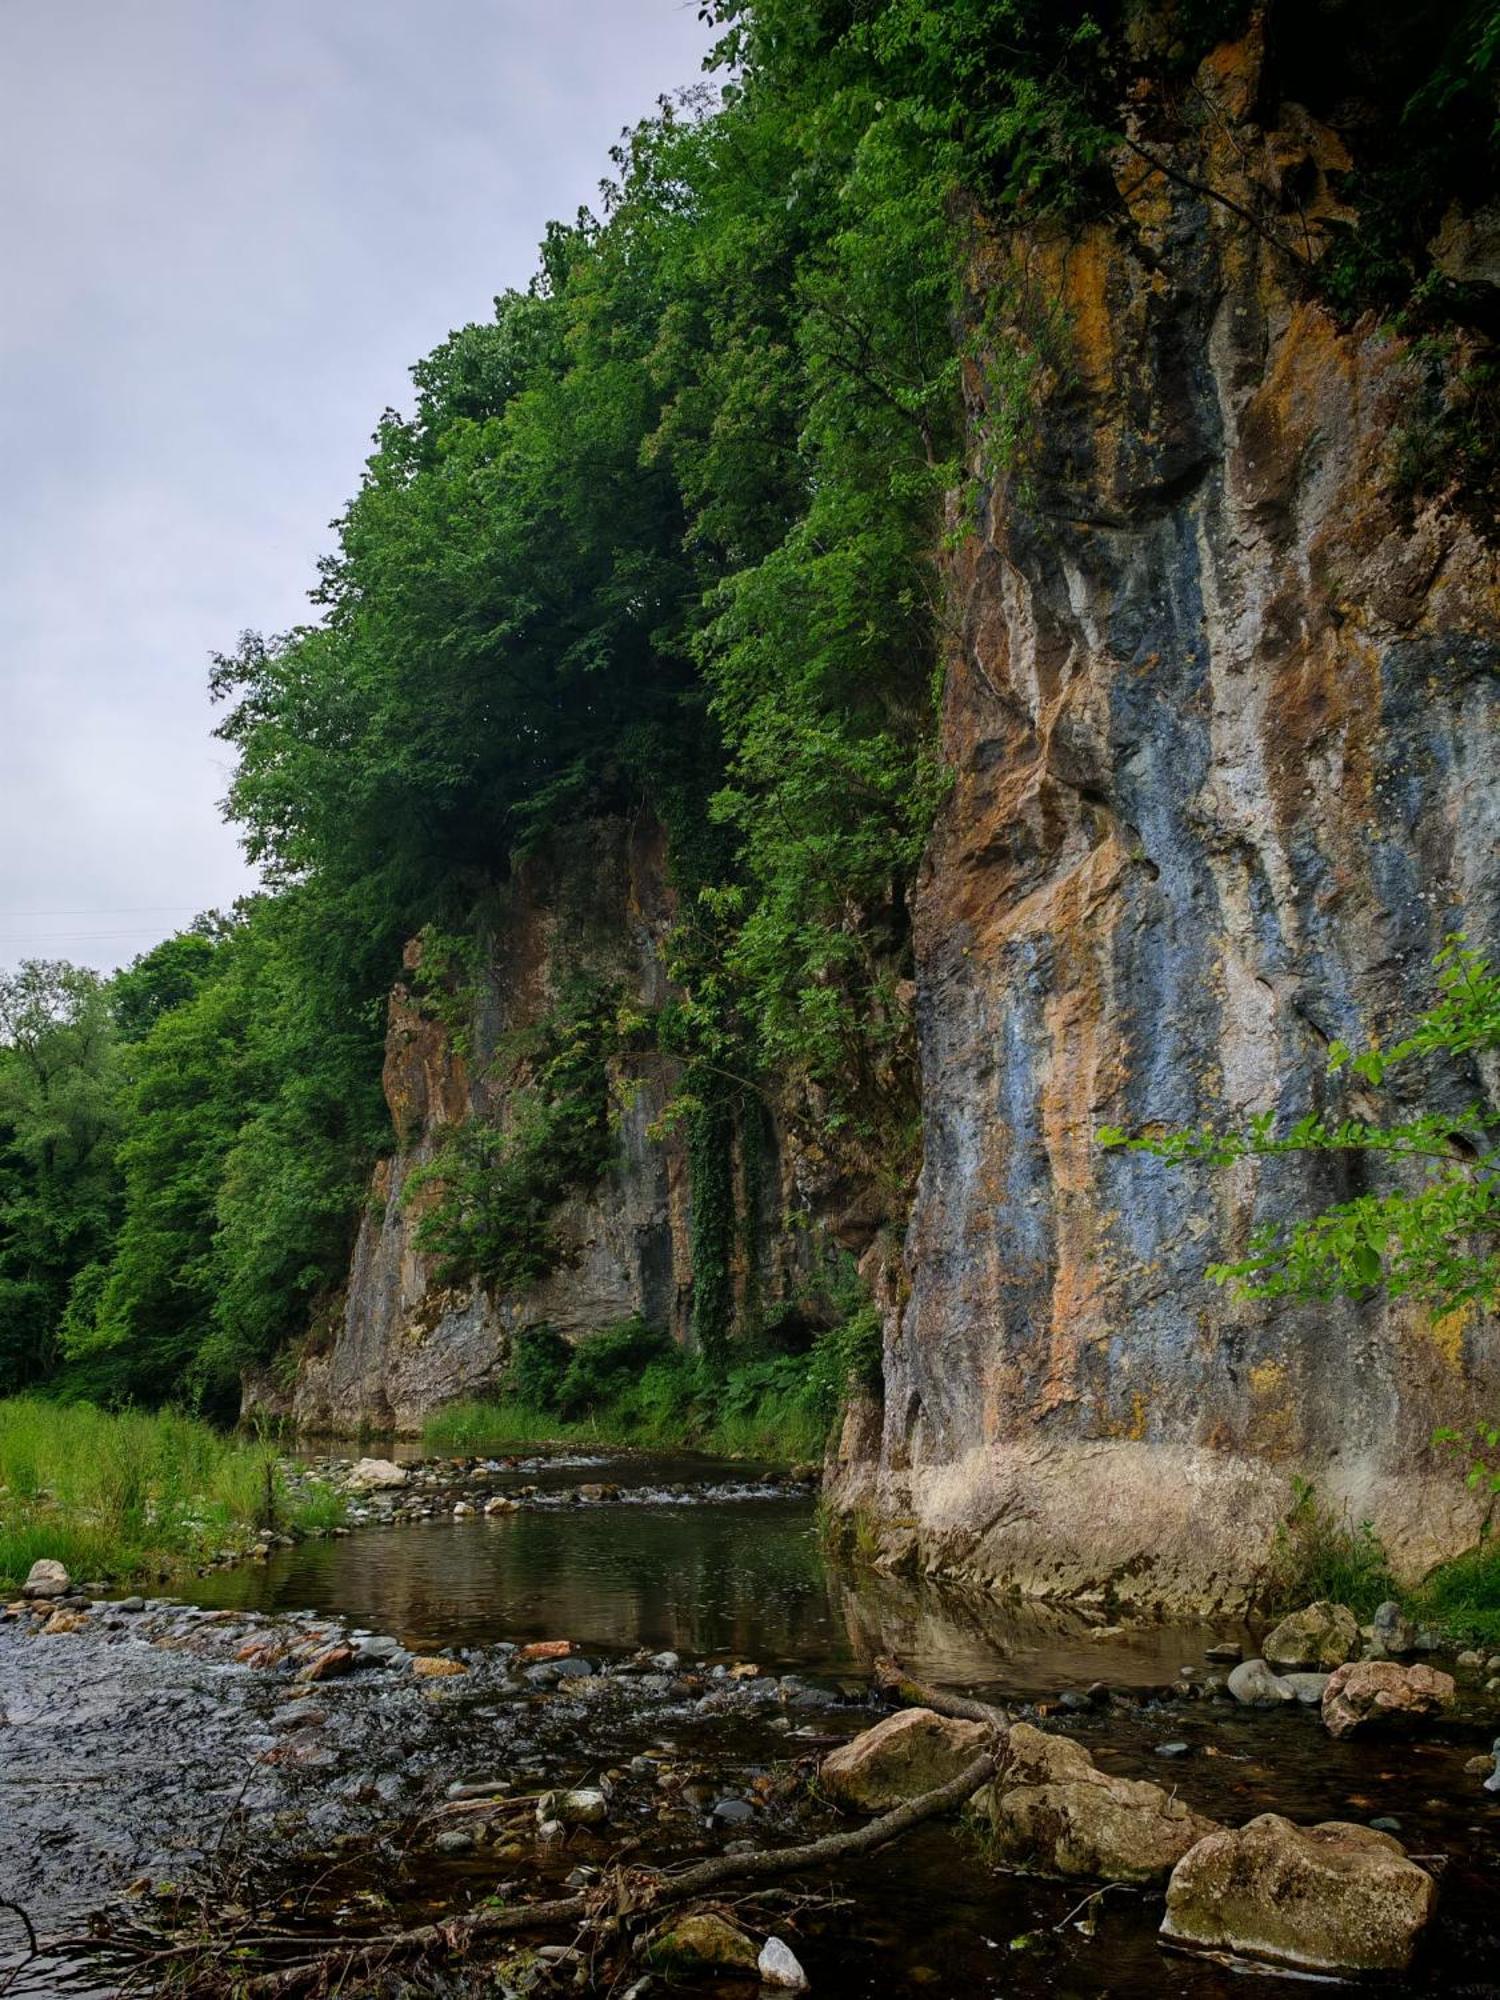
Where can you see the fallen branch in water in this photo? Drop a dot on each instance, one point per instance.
(620, 1895)
(893, 1679)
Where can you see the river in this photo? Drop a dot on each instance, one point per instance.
(731, 1571)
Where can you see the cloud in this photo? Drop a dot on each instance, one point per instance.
(229, 230)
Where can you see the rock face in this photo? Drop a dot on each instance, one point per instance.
(1321, 1635)
(1223, 719)
(1370, 1695)
(1330, 1898)
(911, 1752)
(1056, 1812)
(597, 904)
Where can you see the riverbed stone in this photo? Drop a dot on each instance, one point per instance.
(587, 1806)
(327, 1664)
(64, 1621)
(1255, 1686)
(1330, 1898)
(435, 1666)
(1321, 1635)
(1307, 1687)
(370, 1475)
(46, 1578)
(779, 1969)
(911, 1752)
(1053, 1810)
(1371, 1695)
(1391, 1629)
(702, 1942)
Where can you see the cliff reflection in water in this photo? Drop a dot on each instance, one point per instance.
(742, 1578)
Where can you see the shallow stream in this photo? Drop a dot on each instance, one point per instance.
(731, 1571)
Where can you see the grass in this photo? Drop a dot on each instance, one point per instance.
(128, 1496)
(1463, 1596)
(1323, 1554)
(628, 1385)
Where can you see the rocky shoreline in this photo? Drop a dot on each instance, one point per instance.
(145, 1738)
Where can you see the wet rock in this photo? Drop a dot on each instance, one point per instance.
(1392, 1629)
(1308, 1688)
(1330, 1898)
(1469, 1661)
(46, 1578)
(666, 1663)
(64, 1621)
(456, 1840)
(1321, 1635)
(1174, 1749)
(500, 1503)
(779, 1969)
(1254, 1684)
(130, 1605)
(585, 1807)
(434, 1666)
(370, 1475)
(1225, 1650)
(1053, 1810)
(543, 1649)
(1479, 1767)
(324, 1666)
(1370, 1695)
(733, 1811)
(909, 1753)
(298, 1715)
(702, 1942)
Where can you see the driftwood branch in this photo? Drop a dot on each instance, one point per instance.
(621, 1895)
(892, 1679)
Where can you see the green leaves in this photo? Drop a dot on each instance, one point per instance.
(1436, 1237)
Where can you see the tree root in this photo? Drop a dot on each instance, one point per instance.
(624, 1894)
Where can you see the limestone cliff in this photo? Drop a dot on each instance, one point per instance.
(1224, 721)
(401, 1343)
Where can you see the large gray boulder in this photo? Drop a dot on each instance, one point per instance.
(1053, 1810)
(1333, 1898)
(911, 1752)
(1320, 1636)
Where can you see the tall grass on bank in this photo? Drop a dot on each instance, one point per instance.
(630, 1385)
(129, 1495)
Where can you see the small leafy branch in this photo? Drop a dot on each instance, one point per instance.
(1437, 1241)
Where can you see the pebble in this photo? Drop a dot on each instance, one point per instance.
(735, 1811)
(455, 1841)
(1173, 1749)
(779, 1969)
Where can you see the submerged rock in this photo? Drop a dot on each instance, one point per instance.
(1330, 1898)
(1320, 1635)
(433, 1666)
(1369, 1695)
(911, 1752)
(1055, 1811)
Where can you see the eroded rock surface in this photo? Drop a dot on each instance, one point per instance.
(1330, 1898)
(1321, 1635)
(911, 1752)
(1223, 718)
(1055, 1811)
(1372, 1695)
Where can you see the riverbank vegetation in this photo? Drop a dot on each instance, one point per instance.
(630, 1385)
(129, 1496)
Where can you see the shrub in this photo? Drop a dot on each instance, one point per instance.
(539, 1364)
(609, 1363)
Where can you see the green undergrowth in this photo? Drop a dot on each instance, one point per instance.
(1322, 1553)
(129, 1496)
(630, 1385)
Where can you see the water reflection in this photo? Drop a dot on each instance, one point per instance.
(745, 1577)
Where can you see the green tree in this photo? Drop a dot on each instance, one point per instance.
(59, 1121)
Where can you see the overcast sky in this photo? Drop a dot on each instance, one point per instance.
(227, 228)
